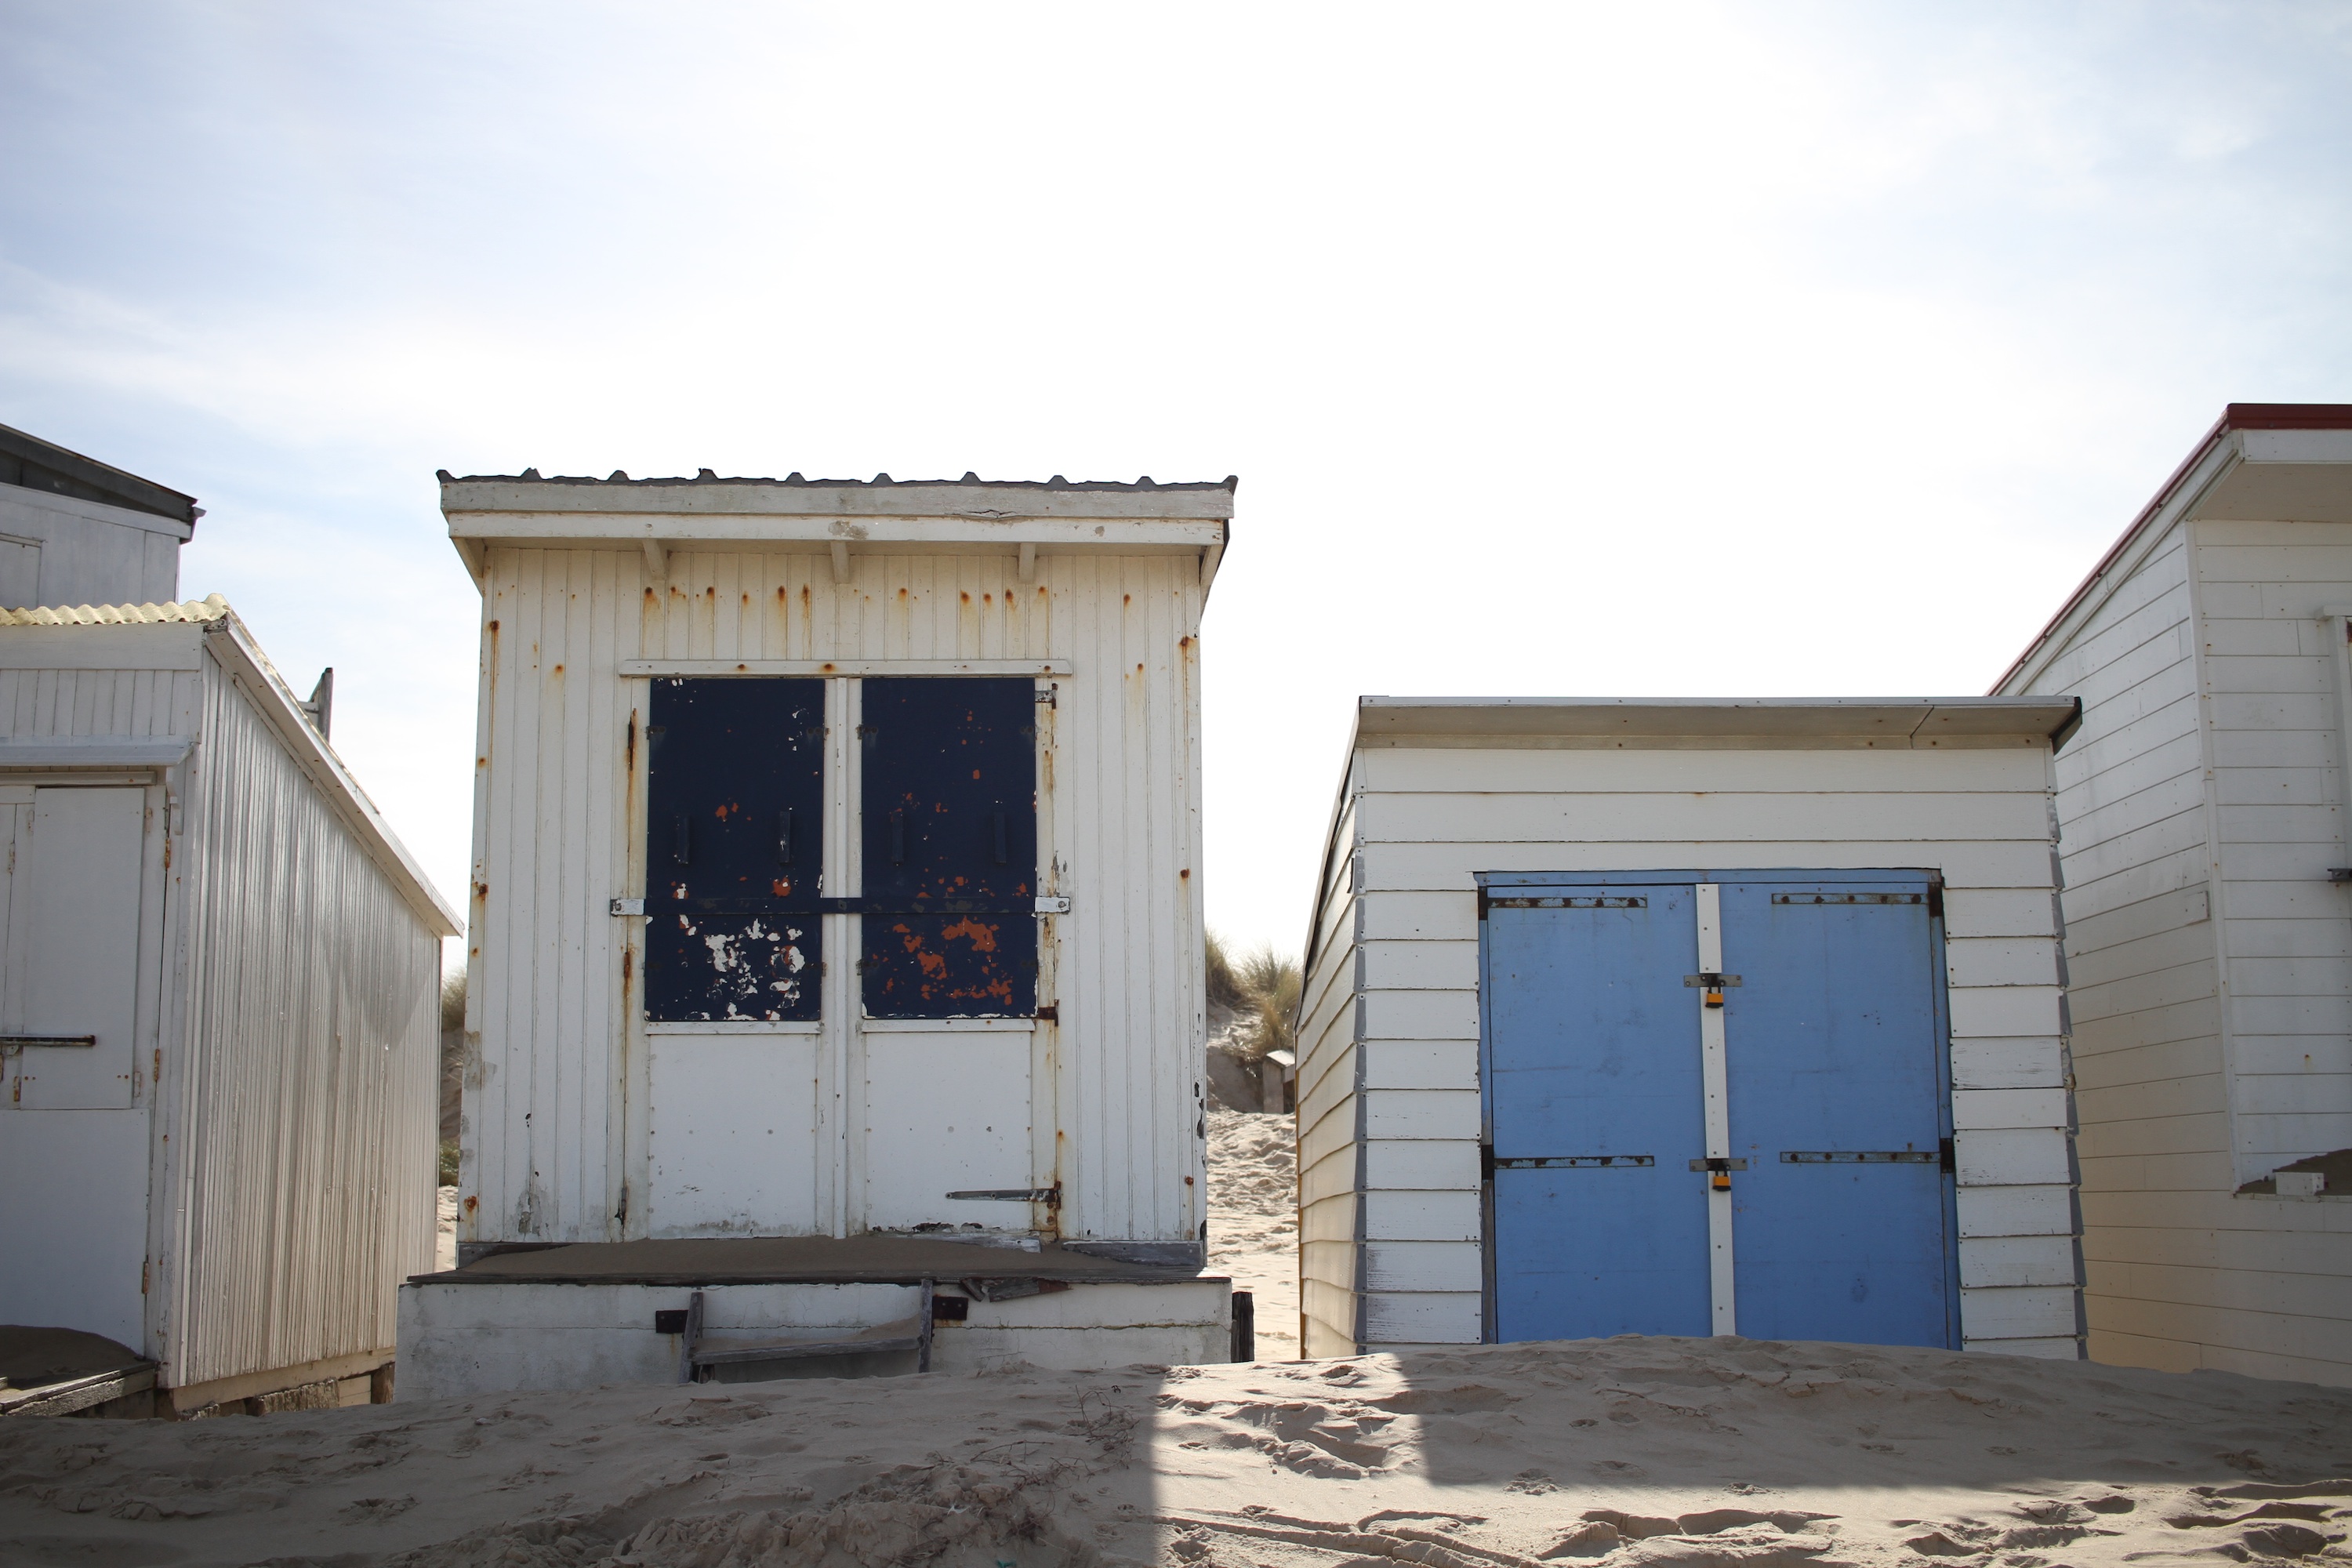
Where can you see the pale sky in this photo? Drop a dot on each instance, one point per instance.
(1688, 349)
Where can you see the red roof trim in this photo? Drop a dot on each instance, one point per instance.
(2235, 416)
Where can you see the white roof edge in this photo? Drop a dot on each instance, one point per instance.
(2125, 556)
(229, 637)
(721, 498)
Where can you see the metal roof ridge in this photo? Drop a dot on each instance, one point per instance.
(1145, 484)
(211, 607)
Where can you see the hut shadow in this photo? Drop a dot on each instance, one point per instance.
(1634, 1416)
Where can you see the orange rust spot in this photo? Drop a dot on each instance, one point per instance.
(472, 1202)
(558, 670)
(804, 595)
(1126, 598)
(1184, 642)
(781, 888)
(982, 937)
(965, 597)
(902, 592)
(976, 772)
(1185, 875)
(628, 964)
(494, 628)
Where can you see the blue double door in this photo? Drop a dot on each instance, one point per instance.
(1810, 1198)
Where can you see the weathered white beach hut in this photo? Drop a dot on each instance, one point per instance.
(1688, 1017)
(74, 531)
(837, 891)
(2209, 909)
(218, 973)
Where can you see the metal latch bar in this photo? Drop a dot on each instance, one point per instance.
(1858, 1156)
(1011, 1195)
(1574, 1162)
(11, 1044)
(1718, 1164)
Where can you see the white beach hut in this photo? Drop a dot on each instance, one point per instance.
(1688, 1017)
(218, 979)
(836, 906)
(2208, 904)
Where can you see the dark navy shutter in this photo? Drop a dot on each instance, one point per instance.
(948, 772)
(735, 804)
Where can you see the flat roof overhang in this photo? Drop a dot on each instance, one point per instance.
(1763, 723)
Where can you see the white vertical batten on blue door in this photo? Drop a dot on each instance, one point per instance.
(1723, 1306)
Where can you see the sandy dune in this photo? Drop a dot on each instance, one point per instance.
(1623, 1453)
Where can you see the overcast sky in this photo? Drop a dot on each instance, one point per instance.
(1797, 349)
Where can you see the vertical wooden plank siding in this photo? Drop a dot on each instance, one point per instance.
(306, 1105)
(555, 1095)
(1388, 1098)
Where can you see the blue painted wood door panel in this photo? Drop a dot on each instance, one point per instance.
(948, 802)
(734, 815)
(1837, 1094)
(1592, 1060)
(1833, 1046)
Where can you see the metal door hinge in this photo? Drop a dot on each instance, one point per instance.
(1053, 904)
(1046, 697)
(1049, 1013)
(628, 906)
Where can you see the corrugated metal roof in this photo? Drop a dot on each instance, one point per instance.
(706, 477)
(212, 607)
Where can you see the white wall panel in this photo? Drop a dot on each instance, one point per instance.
(557, 1090)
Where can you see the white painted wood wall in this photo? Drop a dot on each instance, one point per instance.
(2201, 806)
(1389, 1089)
(567, 1094)
(58, 550)
(240, 1185)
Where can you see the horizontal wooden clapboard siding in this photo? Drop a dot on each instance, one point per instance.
(1420, 823)
(2209, 959)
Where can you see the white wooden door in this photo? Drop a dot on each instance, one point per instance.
(74, 1147)
(72, 952)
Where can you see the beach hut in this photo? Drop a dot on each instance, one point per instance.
(218, 970)
(835, 951)
(1688, 1017)
(2203, 810)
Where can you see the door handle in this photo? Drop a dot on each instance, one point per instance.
(784, 837)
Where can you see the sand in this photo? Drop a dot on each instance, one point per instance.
(1625, 1453)
(1253, 1220)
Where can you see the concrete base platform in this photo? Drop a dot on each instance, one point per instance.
(541, 1321)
